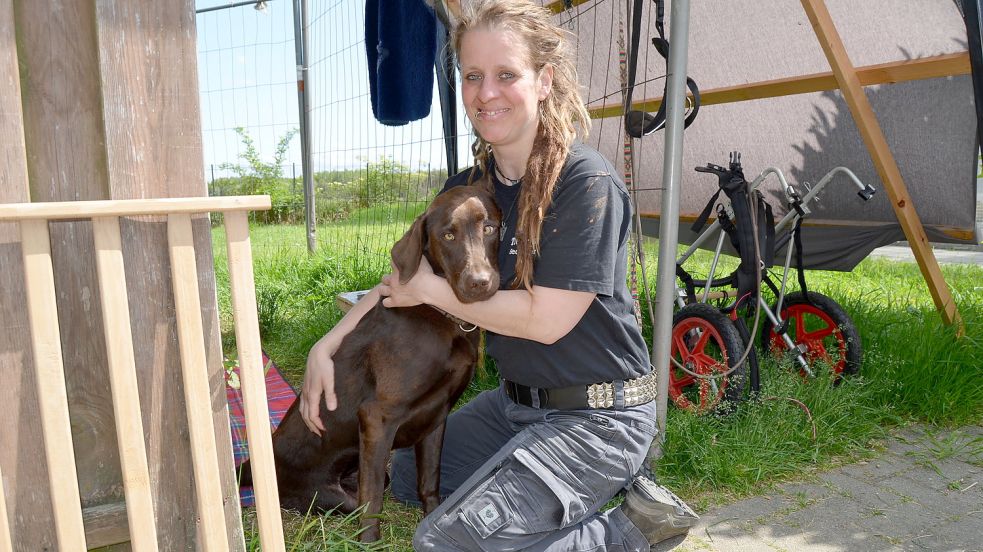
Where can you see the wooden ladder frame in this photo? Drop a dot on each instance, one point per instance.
(33, 220)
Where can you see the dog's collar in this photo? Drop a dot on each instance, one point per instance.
(460, 323)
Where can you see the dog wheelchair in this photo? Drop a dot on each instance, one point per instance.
(713, 353)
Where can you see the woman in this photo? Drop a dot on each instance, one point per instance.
(527, 466)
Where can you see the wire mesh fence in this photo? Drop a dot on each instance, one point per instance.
(248, 99)
(372, 179)
(369, 180)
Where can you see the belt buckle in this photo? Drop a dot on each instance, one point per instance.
(600, 395)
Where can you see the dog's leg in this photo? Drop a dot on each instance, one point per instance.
(428, 468)
(376, 441)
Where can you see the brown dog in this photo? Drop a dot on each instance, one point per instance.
(397, 374)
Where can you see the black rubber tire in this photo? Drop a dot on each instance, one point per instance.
(830, 317)
(724, 341)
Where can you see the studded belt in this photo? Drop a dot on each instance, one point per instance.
(611, 394)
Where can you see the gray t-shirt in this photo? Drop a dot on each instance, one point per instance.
(583, 247)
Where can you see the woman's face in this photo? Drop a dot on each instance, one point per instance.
(500, 89)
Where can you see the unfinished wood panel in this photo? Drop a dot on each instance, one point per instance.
(63, 131)
(149, 84)
(13, 162)
(122, 376)
(106, 525)
(253, 379)
(53, 396)
(880, 152)
(184, 275)
(21, 448)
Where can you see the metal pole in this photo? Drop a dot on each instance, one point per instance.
(447, 90)
(669, 222)
(302, 49)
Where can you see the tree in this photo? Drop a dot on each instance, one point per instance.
(262, 177)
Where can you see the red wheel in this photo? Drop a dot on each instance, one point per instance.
(826, 332)
(707, 344)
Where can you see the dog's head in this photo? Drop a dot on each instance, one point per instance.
(458, 233)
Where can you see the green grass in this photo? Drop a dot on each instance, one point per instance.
(915, 370)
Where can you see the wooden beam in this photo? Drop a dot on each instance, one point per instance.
(123, 384)
(253, 375)
(61, 210)
(106, 525)
(52, 393)
(945, 65)
(194, 369)
(880, 153)
(559, 6)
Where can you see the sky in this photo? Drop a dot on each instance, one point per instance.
(247, 77)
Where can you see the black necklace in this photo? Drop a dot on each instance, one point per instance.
(502, 229)
(512, 182)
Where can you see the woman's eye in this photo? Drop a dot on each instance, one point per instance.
(472, 77)
(507, 75)
(489, 229)
(449, 237)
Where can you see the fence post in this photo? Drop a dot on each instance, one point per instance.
(302, 48)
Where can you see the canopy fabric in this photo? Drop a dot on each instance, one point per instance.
(930, 123)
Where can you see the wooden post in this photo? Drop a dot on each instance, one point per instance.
(101, 103)
(52, 395)
(21, 460)
(123, 379)
(887, 168)
(253, 378)
(193, 366)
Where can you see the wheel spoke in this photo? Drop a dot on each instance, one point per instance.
(683, 381)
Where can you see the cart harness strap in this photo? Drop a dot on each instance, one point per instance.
(731, 181)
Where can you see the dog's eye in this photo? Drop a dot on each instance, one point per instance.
(489, 229)
(449, 237)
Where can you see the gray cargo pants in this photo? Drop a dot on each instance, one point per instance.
(522, 478)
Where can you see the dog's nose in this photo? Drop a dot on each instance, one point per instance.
(481, 281)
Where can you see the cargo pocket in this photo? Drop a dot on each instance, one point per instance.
(554, 502)
(489, 511)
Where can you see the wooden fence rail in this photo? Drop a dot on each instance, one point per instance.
(33, 219)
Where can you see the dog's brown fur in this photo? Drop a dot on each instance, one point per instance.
(397, 374)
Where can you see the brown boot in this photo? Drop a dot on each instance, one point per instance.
(656, 511)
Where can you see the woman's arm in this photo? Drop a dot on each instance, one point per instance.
(545, 315)
(319, 377)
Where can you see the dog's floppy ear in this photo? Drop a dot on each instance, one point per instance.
(408, 250)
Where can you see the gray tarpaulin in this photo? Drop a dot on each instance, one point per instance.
(930, 124)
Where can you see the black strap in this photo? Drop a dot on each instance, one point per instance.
(799, 263)
(687, 279)
(705, 214)
(640, 123)
(559, 398)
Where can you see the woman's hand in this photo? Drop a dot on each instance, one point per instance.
(411, 293)
(318, 381)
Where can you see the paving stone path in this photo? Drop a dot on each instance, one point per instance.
(924, 492)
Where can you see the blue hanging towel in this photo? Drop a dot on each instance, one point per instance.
(401, 44)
